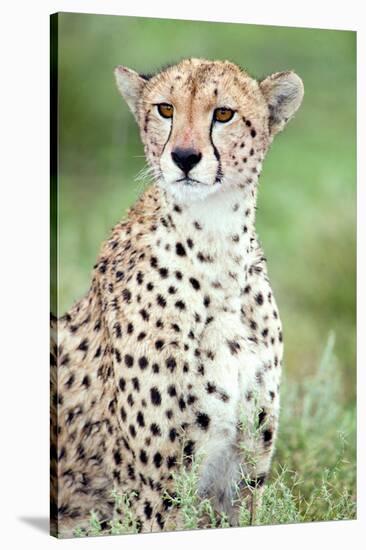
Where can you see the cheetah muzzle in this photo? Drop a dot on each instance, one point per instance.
(174, 355)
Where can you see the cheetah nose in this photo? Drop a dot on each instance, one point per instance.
(186, 159)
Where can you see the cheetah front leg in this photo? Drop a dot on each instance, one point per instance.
(223, 352)
(256, 434)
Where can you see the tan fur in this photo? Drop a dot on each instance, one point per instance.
(179, 334)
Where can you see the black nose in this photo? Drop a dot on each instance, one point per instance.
(186, 159)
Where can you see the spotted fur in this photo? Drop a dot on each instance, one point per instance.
(179, 335)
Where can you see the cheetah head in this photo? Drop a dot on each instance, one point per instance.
(206, 126)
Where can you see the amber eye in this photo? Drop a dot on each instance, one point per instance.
(223, 114)
(165, 110)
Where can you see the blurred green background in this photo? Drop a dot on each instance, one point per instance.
(307, 200)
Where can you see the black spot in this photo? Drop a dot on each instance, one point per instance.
(182, 403)
(206, 301)
(159, 344)
(140, 419)
(98, 352)
(144, 314)
(86, 381)
(171, 363)
(155, 396)
(194, 283)
(253, 133)
(171, 461)
(179, 275)
(172, 435)
(126, 294)
(143, 362)
(261, 417)
(143, 456)
(84, 345)
(160, 300)
(128, 360)
(135, 383)
(70, 381)
(102, 267)
(180, 250)
(157, 459)
(141, 336)
(203, 420)
(119, 275)
(210, 388)
(132, 430)
(267, 436)
(172, 391)
(180, 305)
(64, 361)
(131, 471)
(190, 243)
(253, 325)
(234, 347)
(155, 430)
(117, 330)
(159, 520)
(123, 414)
(129, 328)
(117, 457)
(259, 298)
(147, 509)
(164, 272)
(188, 449)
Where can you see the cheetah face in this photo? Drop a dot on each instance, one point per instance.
(206, 126)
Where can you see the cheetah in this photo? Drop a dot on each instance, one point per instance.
(179, 335)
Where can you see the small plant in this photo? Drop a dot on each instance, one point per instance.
(278, 504)
(123, 521)
(196, 513)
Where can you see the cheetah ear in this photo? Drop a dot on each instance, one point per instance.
(130, 85)
(283, 92)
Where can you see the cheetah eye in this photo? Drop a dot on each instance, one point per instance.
(223, 114)
(165, 110)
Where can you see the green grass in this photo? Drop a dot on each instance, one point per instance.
(313, 477)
